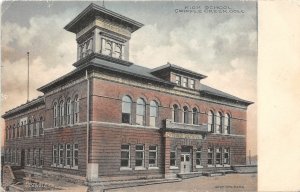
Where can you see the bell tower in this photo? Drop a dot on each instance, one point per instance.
(101, 31)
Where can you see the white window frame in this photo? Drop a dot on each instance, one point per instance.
(210, 150)
(185, 115)
(218, 150)
(76, 109)
(226, 151)
(178, 80)
(126, 100)
(68, 156)
(195, 116)
(140, 116)
(192, 84)
(143, 156)
(199, 151)
(218, 128)
(54, 155)
(184, 82)
(61, 159)
(74, 157)
(210, 122)
(226, 125)
(153, 113)
(128, 167)
(155, 159)
(175, 166)
(55, 114)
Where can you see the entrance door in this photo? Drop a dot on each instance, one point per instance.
(185, 165)
(23, 158)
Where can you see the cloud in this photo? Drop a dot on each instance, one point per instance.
(222, 47)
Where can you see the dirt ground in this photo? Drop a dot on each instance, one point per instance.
(227, 183)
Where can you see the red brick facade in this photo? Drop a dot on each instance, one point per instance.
(97, 97)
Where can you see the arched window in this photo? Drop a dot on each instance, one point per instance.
(140, 111)
(210, 121)
(55, 114)
(126, 109)
(29, 130)
(219, 122)
(118, 51)
(61, 112)
(185, 114)
(69, 112)
(227, 124)
(175, 113)
(21, 129)
(34, 127)
(76, 109)
(108, 48)
(153, 113)
(6, 133)
(41, 131)
(18, 130)
(195, 116)
(14, 130)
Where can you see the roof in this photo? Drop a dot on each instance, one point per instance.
(176, 68)
(212, 91)
(108, 63)
(35, 102)
(100, 61)
(89, 14)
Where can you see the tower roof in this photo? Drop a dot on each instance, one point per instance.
(92, 11)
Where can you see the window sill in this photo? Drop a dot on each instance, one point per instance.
(210, 165)
(140, 168)
(226, 165)
(125, 169)
(67, 166)
(173, 167)
(75, 167)
(219, 165)
(199, 166)
(153, 168)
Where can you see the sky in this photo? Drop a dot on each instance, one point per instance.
(222, 46)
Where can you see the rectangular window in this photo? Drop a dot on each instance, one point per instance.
(210, 156)
(125, 155)
(192, 84)
(139, 156)
(184, 82)
(61, 154)
(13, 156)
(153, 156)
(173, 158)
(75, 155)
(35, 157)
(17, 156)
(41, 157)
(218, 156)
(68, 154)
(178, 80)
(198, 156)
(226, 159)
(28, 157)
(54, 155)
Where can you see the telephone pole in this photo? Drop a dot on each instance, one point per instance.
(27, 76)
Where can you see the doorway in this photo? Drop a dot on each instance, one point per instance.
(185, 163)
